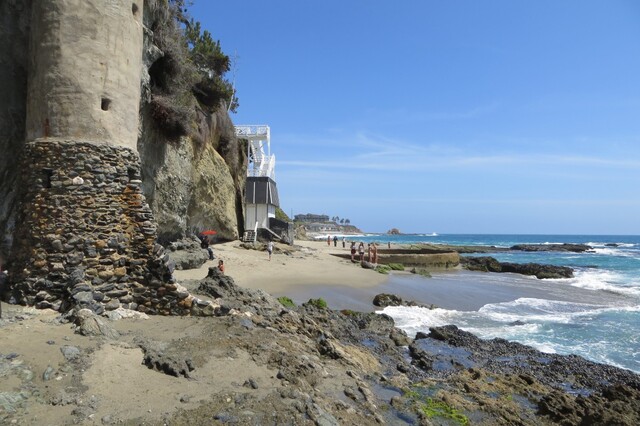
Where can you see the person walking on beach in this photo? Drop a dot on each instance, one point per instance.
(329, 240)
(270, 249)
(335, 241)
(361, 251)
(343, 242)
(353, 251)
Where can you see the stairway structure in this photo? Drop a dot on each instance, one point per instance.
(261, 192)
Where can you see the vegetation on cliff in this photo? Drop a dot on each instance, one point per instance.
(189, 73)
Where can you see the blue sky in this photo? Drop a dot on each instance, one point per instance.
(445, 116)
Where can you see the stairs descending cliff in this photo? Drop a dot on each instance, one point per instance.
(249, 236)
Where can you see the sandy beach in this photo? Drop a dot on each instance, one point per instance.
(309, 270)
(305, 268)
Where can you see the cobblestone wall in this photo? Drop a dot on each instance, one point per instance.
(85, 235)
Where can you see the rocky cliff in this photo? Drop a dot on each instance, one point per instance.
(194, 184)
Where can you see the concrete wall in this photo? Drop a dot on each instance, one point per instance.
(85, 69)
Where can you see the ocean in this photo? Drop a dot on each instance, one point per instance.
(596, 314)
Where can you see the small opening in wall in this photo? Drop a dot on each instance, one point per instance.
(47, 174)
(134, 9)
(133, 174)
(105, 104)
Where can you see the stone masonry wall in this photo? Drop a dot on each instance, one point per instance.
(86, 236)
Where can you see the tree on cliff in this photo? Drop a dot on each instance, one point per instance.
(190, 68)
(213, 64)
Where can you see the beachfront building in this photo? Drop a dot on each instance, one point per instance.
(261, 192)
(309, 217)
(321, 227)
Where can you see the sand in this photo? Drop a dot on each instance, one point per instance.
(307, 266)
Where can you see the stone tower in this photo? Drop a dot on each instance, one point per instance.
(84, 234)
(85, 70)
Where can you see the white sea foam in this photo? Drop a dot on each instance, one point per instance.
(414, 318)
(603, 280)
(612, 251)
(537, 310)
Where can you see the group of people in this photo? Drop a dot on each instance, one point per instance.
(372, 252)
(335, 241)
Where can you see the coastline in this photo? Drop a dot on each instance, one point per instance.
(255, 359)
(310, 270)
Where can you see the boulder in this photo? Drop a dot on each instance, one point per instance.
(187, 253)
(384, 299)
(89, 324)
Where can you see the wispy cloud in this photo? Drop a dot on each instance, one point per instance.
(378, 153)
(403, 117)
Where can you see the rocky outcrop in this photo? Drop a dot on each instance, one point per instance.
(187, 254)
(263, 363)
(574, 248)
(490, 264)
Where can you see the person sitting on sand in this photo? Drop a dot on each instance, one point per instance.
(204, 243)
(221, 266)
(361, 251)
(353, 251)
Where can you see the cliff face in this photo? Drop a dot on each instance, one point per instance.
(194, 185)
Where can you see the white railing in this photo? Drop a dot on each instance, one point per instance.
(261, 162)
(253, 131)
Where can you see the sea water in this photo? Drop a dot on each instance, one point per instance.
(603, 327)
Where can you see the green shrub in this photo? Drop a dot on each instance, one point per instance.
(421, 271)
(396, 266)
(319, 303)
(383, 269)
(286, 302)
